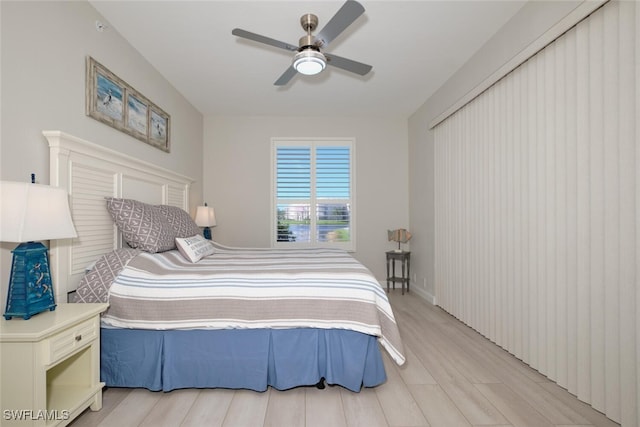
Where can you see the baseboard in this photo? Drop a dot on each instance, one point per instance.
(414, 289)
(424, 295)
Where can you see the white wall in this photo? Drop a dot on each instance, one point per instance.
(237, 177)
(533, 20)
(43, 48)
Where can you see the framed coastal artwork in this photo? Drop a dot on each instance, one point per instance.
(110, 100)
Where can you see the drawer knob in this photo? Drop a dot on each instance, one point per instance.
(78, 337)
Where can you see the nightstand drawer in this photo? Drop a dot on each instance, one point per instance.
(66, 342)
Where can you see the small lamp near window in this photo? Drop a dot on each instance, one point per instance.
(206, 217)
(30, 213)
(399, 235)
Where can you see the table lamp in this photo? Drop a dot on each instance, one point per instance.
(206, 217)
(399, 235)
(30, 213)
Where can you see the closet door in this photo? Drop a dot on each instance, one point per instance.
(537, 211)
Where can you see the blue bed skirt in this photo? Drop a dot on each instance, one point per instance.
(239, 358)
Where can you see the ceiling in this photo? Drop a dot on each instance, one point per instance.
(413, 46)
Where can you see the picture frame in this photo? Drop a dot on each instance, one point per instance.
(112, 101)
(158, 127)
(137, 115)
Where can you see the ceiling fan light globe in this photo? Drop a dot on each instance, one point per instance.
(309, 66)
(309, 62)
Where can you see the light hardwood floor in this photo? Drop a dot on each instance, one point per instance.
(453, 377)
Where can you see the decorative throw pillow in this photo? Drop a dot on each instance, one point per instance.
(94, 286)
(180, 220)
(142, 225)
(194, 248)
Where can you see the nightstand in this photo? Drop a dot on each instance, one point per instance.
(50, 366)
(405, 259)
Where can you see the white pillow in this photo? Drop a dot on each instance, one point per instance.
(194, 248)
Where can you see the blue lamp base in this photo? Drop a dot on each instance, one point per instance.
(30, 289)
(207, 233)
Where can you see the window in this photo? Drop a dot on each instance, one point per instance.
(313, 193)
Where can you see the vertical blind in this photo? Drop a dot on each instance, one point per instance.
(537, 211)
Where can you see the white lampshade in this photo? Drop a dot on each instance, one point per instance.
(33, 212)
(205, 216)
(309, 62)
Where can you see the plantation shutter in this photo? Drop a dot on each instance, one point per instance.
(333, 188)
(293, 181)
(313, 193)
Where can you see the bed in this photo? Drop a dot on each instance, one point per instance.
(233, 318)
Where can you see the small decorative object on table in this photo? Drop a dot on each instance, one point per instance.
(206, 217)
(32, 212)
(399, 235)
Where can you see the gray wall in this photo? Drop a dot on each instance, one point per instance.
(533, 20)
(237, 177)
(43, 50)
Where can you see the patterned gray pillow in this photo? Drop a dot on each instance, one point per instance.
(181, 221)
(94, 286)
(142, 225)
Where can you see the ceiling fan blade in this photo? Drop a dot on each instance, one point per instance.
(349, 12)
(262, 39)
(348, 64)
(286, 76)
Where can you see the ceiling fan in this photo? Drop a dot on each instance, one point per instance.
(309, 59)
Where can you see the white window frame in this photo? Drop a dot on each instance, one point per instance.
(313, 143)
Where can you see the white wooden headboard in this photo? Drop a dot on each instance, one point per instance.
(91, 172)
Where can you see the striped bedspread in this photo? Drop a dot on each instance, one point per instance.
(253, 288)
